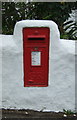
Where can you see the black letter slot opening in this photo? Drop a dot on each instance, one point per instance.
(36, 37)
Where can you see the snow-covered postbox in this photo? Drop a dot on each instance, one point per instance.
(34, 39)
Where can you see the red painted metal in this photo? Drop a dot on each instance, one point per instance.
(36, 56)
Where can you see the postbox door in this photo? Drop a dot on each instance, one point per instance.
(36, 62)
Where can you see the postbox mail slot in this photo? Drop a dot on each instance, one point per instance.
(36, 37)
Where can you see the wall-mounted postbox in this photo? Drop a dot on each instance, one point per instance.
(36, 56)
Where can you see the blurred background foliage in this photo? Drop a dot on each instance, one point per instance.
(59, 12)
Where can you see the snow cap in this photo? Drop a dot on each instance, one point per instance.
(18, 30)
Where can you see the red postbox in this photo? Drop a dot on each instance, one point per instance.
(36, 56)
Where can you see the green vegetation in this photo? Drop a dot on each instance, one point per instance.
(56, 11)
(70, 29)
(68, 112)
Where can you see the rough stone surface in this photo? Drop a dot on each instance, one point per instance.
(60, 94)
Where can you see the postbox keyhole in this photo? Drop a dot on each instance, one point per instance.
(36, 48)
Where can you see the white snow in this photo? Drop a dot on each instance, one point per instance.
(60, 94)
(0, 73)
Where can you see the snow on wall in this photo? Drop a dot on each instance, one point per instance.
(0, 73)
(60, 94)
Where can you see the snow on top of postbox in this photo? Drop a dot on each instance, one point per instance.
(18, 30)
